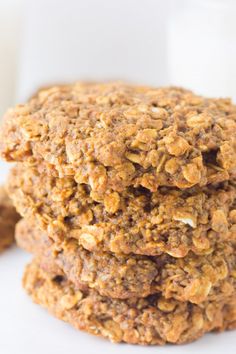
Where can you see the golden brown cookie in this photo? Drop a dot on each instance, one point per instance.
(112, 136)
(151, 320)
(192, 278)
(8, 219)
(167, 221)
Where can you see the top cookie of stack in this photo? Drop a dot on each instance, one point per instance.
(124, 168)
(113, 136)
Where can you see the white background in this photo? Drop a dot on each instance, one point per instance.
(10, 27)
(57, 40)
(190, 43)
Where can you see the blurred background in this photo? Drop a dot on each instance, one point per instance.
(190, 43)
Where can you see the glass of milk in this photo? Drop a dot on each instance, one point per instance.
(202, 46)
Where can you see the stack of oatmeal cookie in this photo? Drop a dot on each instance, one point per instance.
(128, 199)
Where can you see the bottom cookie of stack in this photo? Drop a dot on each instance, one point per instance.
(150, 320)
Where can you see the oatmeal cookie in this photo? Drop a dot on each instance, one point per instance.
(167, 221)
(8, 219)
(152, 320)
(112, 136)
(193, 278)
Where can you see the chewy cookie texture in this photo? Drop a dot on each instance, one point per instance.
(128, 195)
(192, 278)
(167, 221)
(111, 136)
(8, 219)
